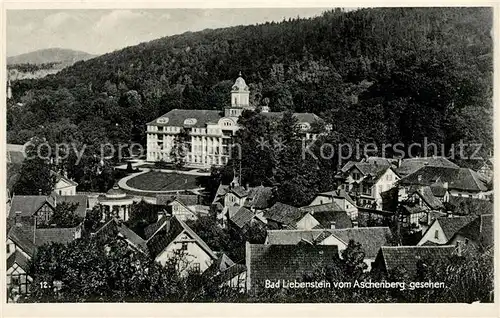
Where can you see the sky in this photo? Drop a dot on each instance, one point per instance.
(100, 31)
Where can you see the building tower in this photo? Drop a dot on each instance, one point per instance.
(240, 98)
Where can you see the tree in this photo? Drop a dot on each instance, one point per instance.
(64, 215)
(34, 178)
(93, 219)
(179, 149)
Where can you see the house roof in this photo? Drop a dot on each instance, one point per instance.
(426, 194)
(408, 256)
(326, 207)
(451, 225)
(185, 199)
(117, 227)
(170, 229)
(301, 117)
(370, 238)
(339, 193)
(239, 191)
(463, 179)
(221, 192)
(259, 197)
(27, 204)
(176, 117)
(284, 214)
(463, 205)
(242, 217)
(273, 262)
(410, 165)
(23, 236)
(292, 237)
(151, 229)
(411, 209)
(372, 171)
(222, 263)
(19, 259)
(60, 177)
(480, 230)
(325, 219)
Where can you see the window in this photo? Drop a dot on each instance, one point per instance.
(436, 234)
(184, 246)
(196, 267)
(8, 248)
(389, 177)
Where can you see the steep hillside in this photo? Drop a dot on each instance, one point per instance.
(378, 75)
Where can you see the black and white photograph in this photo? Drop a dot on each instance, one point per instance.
(338, 155)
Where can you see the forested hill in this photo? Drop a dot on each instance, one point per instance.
(383, 75)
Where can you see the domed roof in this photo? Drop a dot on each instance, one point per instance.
(240, 84)
(115, 192)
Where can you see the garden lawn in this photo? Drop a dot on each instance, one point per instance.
(162, 181)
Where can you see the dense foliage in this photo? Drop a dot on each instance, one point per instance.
(383, 75)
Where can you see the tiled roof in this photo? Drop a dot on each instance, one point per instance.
(19, 259)
(370, 238)
(239, 191)
(464, 205)
(27, 204)
(23, 236)
(411, 209)
(288, 262)
(451, 225)
(221, 192)
(176, 117)
(185, 199)
(480, 230)
(259, 197)
(242, 217)
(463, 179)
(369, 170)
(411, 165)
(291, 237)
(152, 228)
(222, 263)
(284, 214)
(408, 256)
(301, 117)
(327, 207)
(170, 229)
(340, 193)
(426, 194)
(325, 219)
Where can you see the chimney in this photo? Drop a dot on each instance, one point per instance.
(429, 218)
(39, 191)
(247, 186)
(332, 225)
(18, 219)
(355, 224)
(398, 163)
(419, 178)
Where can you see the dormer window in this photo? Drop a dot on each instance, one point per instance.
(304, 126)
(162, 120)
(190, 121)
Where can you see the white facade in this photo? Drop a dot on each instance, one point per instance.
(434, 234)
(209, 133)
(195, 257)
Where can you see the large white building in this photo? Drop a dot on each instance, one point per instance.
(209, 131)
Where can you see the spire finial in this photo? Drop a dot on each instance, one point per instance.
(240, 74)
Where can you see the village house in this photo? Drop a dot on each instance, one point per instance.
(64, 185)
(408, 166)
(210, 131)
(26, 208)
(442, 230)
(265, 262)
(390, 258)
(22, 242)
(462, 182)
(115, 229)
(476, 236)
(341, 198)
(184, 206)
(227, 273)
(324, 216)
(366, 181)
(370, 238)
(170, 237)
